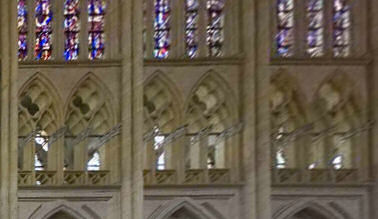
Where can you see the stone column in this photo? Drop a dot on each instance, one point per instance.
(132, 110)
(255, 109)
(8, 136)
(373, 104)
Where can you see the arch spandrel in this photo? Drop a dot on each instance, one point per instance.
(39, 106)
(211, 102)
(162, 103)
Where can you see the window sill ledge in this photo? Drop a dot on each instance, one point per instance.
(321, 61)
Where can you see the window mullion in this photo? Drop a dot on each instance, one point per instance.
(31, 29)
(83, 34)
(149, 22)
(300, 28)
(328, 29)
(202, 24)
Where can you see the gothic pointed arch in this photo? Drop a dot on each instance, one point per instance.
(39, 116)
(90, 112)
(311, 210)
(338, 107)
(39, 105)
(210, 110)
(288, 113)
(211, 102)
(61, 208)
(89, 105)
(183, 206)
(162, 103)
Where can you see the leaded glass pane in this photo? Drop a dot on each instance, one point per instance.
(71, 29)
(43, 30)
(162, 29)
(341, 28)
(191, 27)
(215, 26)
(22, 27)
(315, 43)
(96, 35)
(285, 28)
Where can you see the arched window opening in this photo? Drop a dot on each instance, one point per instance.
(96, 33)
(22, 27)
(285, 28)
(159, 150)
(285, 118)
(41, 149)
(315, 35)
(94, 162)
(89, 121)
(215, 152)
(215, 26)
(339, 142)
(191, 27)
(43, 31)
(71, 29)
(341, 28)
(162, 28)
(281, 157)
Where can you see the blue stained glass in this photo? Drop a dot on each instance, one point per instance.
(315, 47)
(191, 27)
(215, 26)
(285, 25)
(341, 28)
(96, 38)
(162, 28)
(71, 29)
(43, 20)
(22, 27)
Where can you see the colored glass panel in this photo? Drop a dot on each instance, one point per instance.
(96, 36)
(215, 26)
(43, 31)
(161, 29)
(285, 28)
(191, 27)
(71, 29)
(315, 43)
(341, 28)
(22, 27)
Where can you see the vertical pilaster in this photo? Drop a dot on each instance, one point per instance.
(132, 110)
(8, 133)
(255, 109)
(13, 115)
(373, 104)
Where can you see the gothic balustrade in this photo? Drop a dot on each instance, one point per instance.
(314, 176)
(45, 178)
(191, 176)
(217, 176)
(25, 178)
(165, 177)
(70, 178)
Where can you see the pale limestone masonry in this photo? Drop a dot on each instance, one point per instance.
(247, 135)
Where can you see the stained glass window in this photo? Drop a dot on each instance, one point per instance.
(71, 29)
(315, 37)
(96, 38)
(43, 31)
(191, 26)
(285, 28)
(341, 28)
(22, 26)
(162, 27)
(215, 26)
